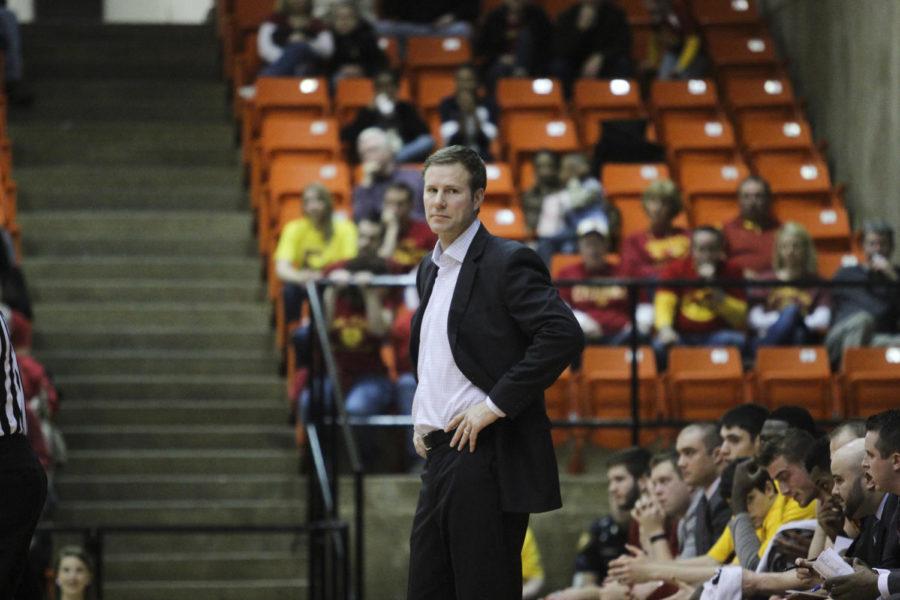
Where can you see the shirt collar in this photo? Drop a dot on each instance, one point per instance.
(881, 506)
(460, 246)
(713, 487)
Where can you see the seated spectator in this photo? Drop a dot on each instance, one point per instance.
(700, 316)
(674, 48)
(592, 40)
(740, 429)
(513, 41)
(659, 515)
(74, 574)
(784, 457)
(356, 51)
(750, 237)
(701, 464)
(380, 171)
(532, 568)
(293, 43)
(406, 239)
(602, 311)
(786, 316)
(546, 183)
(582, 198)
(407, 18)
(468, 118)
(400, 119)
(648, 253)
(308, 244)
(866, 315)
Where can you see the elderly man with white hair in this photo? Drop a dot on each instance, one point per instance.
(380, 171)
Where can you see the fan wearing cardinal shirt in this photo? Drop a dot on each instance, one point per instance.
(406, 239)
(648, 253)
(602, 311)
(700, 316)
(750, 237)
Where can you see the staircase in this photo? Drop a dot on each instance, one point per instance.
(149, 310)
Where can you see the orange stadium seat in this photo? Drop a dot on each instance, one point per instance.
(353, 93)
(714, 177)
(830, 262)
(703, 382)
(725, 12)
(503, 221)
(869, 380)
(795, 175)
(627, 180)
(431, 88)
(391, 49)
(769, 95)
(526, 134)
(767, 134)
(828, 226)
(521, 95)
(561, 401)
(608, 95)
(692, 135)
(500, 187)
(429, 54)
(795, 375)
(735, 51)
(693, 95)
(606, 377)
(243, 21)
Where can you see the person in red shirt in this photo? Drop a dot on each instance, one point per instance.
(602, 311)
(406, 239)
(750, 237)
(702, 315)
(647, 253)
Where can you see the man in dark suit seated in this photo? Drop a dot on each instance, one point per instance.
(490, 335)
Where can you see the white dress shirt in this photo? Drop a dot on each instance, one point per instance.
(443, 391)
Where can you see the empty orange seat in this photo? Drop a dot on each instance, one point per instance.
(828, 226)
(526, 134)
(772, 94)
(606, 377)
(685, 95)
(431, 88)
(703, 382)
(725, 12)
(767, 134)
(794, 375)
(619, 95)
(869, 380)
(735, 51)
(500, 187)
(713, 178)
(291, 95)
(503, 221)
(795, 175)
(558, 262)
(532, 96)
(436, 54)
(315, 137)
(693, 134)
(561, 400)
(629, 180)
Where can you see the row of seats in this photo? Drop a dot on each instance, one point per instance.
(701, 383)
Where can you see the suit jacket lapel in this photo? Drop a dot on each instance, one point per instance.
(464, 282)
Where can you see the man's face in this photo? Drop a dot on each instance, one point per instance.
(376, 150)
(314, 207)
(880, 468)
(466, 81)
(758, 504)
(706, 249)
(697, 464)
(848, 485)
(823, 482)
(736, 443)
(753, 201)
(398, 202)
(385, 84)
(793, 480)
(876, 244)
(368, 238)
(592, 248)
(669, 490)
(659, 212)
(449, 203)
(772, 428)
(345, 19)
(545, 169)
(623, 489)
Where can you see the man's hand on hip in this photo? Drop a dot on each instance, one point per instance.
(419, 443)
(467, 425)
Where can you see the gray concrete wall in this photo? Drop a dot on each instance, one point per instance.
(845, 61)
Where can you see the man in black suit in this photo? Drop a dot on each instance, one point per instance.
(490, 336)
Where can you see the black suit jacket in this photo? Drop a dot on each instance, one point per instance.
(890, 558)
(511, 335)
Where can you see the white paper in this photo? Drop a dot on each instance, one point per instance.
(841, 543)
(830, 564)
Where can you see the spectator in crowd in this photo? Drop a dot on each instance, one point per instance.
(602, 311)
(674, 48)
(858, 502)
(784, 457)
(750, 237)
(648, 253)
(788, 315)
(703, 315)
(866, 315)
(406, 18)
(627, 472)
(359, 324)
(380, 171)
(592, 40)
(13, 63)
(400, 119)
(660, 513)
(292, 42)
(356, 51)
(739, 429)
(787, 417)
(532, 568)
(546, 183)
(700, 462)
(513, 41)
(845, 433)
(467, 117)
(406, 239)
(580, 199)
(74, 574)
(308, 244)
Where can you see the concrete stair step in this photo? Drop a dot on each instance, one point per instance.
(126, 545)
(257, 589)
(155, 338)
(101, 291)
(183, 512)
(165, 412)
(172, 387)
(212, 566)
(186, 462)
(117, 143)
(199, 362)
(214, 249)
(142, 268)
(181, 437)
(219, 197)
(75, 316)
(158, 226)
(179, 487)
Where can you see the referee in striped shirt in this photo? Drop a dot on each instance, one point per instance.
(23, 484)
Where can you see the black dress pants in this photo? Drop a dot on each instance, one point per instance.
(463, 545)
(23, 490)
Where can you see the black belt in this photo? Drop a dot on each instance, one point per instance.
(437, 438)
